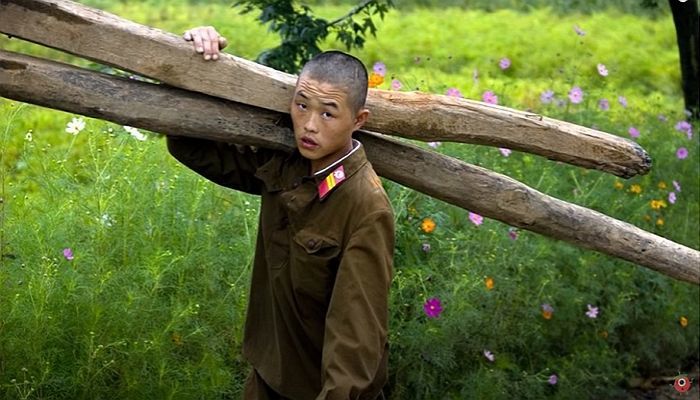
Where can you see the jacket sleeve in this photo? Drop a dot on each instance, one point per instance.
(220, 162)
(355, 341)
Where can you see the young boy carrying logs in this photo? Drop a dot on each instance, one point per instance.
(316, 325)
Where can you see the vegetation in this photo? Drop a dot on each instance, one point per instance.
(124, 275)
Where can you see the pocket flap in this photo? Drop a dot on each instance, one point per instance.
(313, 242)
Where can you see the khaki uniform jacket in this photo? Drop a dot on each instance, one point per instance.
(316, 326)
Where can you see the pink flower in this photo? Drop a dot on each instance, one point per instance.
(684, 126)
(592, 312)
(513, 233)
(579, 31)
(672, 197)
(395, 84)
(602, 70)
(576, 95)
(547, 96)
(379, 68)
(490, 97)
(454, 92)
(634, 132)
(476, 218)
(504, 63)
(623, 101)
(489, 356)
(682, 153)
(553, 379)
(68, 253)
(434, 145)
(432, 307)
(677, 185)
(604, 104)
(504, 151)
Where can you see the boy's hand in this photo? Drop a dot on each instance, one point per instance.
(206, 41)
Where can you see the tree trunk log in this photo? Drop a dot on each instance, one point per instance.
(686, 20)
(178, 112)
(108, 39)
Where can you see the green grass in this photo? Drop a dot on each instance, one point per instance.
(153, 302)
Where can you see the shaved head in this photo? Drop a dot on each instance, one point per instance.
(342, 70)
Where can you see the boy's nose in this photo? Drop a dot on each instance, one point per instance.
(310, 125)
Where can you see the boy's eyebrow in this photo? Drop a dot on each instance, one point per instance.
(329, 103)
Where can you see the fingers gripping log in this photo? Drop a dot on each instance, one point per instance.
(174, 111)
(108, 39)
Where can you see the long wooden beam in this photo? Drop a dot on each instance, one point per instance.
(108, 39)
(178, 112)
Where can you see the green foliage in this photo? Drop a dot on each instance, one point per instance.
(301, 32)
(153, 302)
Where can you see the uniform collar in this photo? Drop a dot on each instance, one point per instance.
(332, 176)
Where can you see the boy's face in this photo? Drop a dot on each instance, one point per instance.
(323, 121)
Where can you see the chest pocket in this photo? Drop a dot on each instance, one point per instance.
(314, 262)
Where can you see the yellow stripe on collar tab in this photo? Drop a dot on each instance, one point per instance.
(333, 179)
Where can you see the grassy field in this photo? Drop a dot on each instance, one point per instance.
(124, 275)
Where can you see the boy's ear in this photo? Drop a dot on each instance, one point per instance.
(360, 118)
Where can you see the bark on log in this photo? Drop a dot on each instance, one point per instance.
(175, 111)
(108, 39)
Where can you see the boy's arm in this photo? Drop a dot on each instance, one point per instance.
(222, 163)
(355, 338)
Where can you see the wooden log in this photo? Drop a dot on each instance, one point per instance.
(108, 39)
(178, 112)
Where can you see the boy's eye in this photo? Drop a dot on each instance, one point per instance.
(301, 106)
(326, 114)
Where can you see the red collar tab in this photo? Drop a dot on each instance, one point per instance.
(331, 181)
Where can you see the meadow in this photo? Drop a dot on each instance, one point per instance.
(125, 276)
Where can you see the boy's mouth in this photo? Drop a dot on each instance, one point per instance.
(308, 143)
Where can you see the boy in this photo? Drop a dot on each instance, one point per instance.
(316, 325)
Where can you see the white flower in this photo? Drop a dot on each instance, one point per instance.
(28, 137)
(135, 133)
(106, 220)
(75, 126)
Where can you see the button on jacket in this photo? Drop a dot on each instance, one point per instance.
(316, 326)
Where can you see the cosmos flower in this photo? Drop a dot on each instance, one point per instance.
(592, 312)
(68, 253)
(604, 104)
(504, 151)
(634, 132)
(547, 96)
(579, 31)
(425, 247)
(375, 80)
(684, 126)
(432, 307)
(454, 92)
(636, 189)
(602, 70)
(75, 126)
(379, 68)
(490, 97)
(135, 133)
(504, 63)
(576, 95)
(434, 145)
(677, 185)
(682, 153)
(547, 311)
(489, 283)
(513, 233)
(622, 100)
(672, 197)
(476, 218)
(396, 84)
(428, 225)
(489, 356)
(553, 379)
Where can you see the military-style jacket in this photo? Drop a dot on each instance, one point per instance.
(316, 326)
